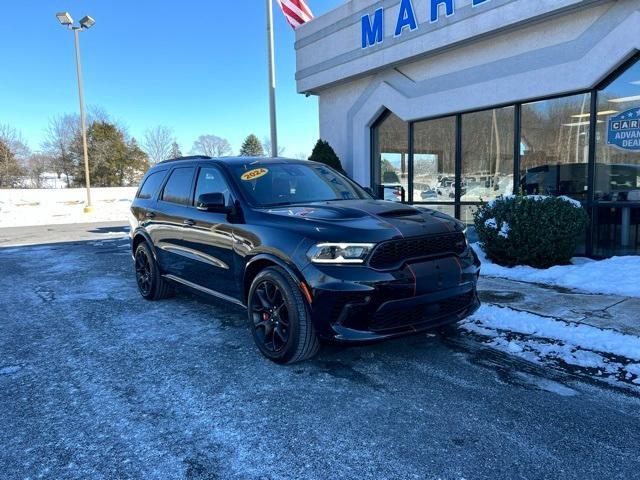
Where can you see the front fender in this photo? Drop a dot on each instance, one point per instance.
(260, 261)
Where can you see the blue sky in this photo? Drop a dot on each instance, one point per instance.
(196, 66)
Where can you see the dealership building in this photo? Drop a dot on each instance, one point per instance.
(449, 103)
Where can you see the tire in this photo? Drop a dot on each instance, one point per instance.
(151, 285)
(279, 317)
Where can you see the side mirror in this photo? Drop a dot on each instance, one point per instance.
(212, 202)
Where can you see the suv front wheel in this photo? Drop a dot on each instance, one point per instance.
(280, 319)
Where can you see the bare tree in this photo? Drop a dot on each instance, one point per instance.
(38, 164)
(301, 156)
(157, 143)
(211, 146)
(266, 145)
(60, 135)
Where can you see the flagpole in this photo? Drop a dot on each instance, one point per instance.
(272, 80)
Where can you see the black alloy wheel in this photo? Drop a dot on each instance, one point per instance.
(151, 285)
(143, 272)
(279, 317)
(270, 316)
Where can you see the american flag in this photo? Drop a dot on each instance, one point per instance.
(296, 12)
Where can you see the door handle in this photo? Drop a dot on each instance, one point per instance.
(150, 215)
(189, 222)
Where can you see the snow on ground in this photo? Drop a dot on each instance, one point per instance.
(603, 352)
(20, 208)
(615, 276)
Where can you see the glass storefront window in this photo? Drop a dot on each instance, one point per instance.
(446, 209)
(616, 230)
(466, 217)
(434, 153)
(487, 154)
(391, 143)
(617, 157)
(555, 146)
(618, 139)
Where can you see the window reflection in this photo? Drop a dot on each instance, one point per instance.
(487, 154)
(434, 163)
(392, 154)
(555, 146)
(618, 139)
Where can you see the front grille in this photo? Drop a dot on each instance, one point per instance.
(394, 252)
(420, 314)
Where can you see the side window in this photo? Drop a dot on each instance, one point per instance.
(178, 187)
(210, 180)
(151, 185)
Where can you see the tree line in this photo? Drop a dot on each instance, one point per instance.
(115, 157)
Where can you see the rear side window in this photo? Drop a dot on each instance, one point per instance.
(151, 185)
(178, 187)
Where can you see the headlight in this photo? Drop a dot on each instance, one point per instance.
(340, 252)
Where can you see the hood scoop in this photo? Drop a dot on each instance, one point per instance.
(404, 212)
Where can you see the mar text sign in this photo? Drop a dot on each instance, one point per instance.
(373, 25)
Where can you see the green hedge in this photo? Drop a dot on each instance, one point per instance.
(530, 230)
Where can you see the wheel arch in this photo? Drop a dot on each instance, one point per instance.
(140, 236)
(259, 263)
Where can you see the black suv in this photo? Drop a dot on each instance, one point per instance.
(309, 253)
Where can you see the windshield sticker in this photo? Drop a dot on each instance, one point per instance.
(254, 174)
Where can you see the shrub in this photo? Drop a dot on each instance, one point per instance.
(530, 230)
(324, 153)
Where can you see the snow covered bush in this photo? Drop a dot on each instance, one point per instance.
(530, 230)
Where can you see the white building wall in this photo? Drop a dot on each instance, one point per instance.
(515, 51)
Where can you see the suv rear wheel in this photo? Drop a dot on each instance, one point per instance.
(280, 319)
(151, 285)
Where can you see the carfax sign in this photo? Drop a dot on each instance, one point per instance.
(624, 130)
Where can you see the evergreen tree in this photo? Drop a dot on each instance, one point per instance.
(251, 147)
(10, 169)
(113, 161)
(175, 150)
(324, 153)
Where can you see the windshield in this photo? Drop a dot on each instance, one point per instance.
(273, 184)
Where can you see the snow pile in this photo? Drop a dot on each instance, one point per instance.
(578, 335)
(614, 276)
(491, 223)
(504, 230)
(19, 208)
(601, 352)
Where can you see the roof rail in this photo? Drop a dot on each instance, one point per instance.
(192, 157)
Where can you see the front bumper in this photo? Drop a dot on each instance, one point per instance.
(361, 304)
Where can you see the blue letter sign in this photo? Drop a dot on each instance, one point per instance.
(624, 130)
(373, 24)
(372, 31)
(435, 4)
(406, 17)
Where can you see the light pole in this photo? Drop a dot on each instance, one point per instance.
(85, 23)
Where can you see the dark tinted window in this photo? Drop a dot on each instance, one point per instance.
(555, 146)
(151, 185)
(284, 184)
(178, 187)
(210, 180)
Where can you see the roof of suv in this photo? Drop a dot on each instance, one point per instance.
(234, 160)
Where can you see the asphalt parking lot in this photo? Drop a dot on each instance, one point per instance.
(97, 383)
